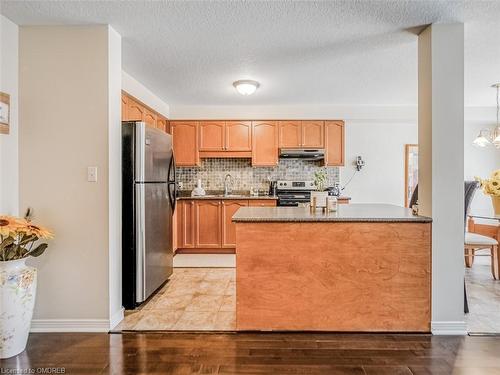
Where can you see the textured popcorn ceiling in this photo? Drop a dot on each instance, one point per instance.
(329, 52)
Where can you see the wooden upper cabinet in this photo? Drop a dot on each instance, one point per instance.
(135, 111)
(212, 136)
(334, 143)
(185, 220)
(124, 108)
(229, 207)
(238, 136)
(312, 134)
(294, 134)
(208, 223)
(161, 123)
(290, 134)
(149, 118)
(185, 138)
(264, 143)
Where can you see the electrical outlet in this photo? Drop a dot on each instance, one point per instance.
(92, 174)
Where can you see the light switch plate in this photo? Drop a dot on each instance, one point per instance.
(92, 174)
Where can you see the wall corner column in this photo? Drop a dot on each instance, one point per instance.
(441, 167)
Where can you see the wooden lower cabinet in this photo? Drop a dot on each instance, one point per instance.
(205, 226)
(208, 223)
(229, 208)
(185, 224)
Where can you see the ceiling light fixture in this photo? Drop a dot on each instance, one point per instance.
(487, 137)
(246, 86)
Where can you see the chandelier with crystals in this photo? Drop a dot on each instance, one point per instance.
(488, 136)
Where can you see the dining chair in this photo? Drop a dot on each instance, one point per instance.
(473, 241)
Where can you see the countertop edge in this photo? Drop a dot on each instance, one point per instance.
(227, 198)
(337, 220)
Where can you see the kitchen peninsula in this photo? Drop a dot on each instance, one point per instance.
(366, 267)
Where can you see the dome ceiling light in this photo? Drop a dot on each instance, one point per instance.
(246, 86)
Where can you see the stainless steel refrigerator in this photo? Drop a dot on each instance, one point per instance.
(148, 203)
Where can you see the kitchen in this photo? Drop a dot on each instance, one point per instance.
(223, 168)
(213, 230)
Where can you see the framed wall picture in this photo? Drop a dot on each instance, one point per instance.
(4, 112)
(411, 171)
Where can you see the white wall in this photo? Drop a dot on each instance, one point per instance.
(69, 110)
(9, 159)
(382, 147)
(141, 92)
(115, 177)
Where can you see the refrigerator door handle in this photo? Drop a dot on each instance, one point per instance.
(140, 219)
(172, 195)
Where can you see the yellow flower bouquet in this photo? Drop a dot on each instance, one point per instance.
(18, 237)
(491, 187)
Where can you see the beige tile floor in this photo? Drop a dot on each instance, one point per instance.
(484, 297)
(194, 299)
(204, 299)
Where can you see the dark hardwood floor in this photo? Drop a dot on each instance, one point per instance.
(251, 353)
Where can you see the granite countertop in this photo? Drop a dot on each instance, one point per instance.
(354, 212)
(218, 194)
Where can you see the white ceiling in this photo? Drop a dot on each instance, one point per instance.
(326, 52)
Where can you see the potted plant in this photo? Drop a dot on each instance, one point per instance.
(491, 187)
(18, 240)
(320, 195)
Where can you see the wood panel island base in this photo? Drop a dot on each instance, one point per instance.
(365, 268)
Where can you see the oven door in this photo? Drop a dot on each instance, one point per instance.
(293, 199)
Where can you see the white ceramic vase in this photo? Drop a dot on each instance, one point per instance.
(17, 299)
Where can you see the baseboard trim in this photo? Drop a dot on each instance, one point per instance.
(116, 318)
(449, 328)
(70, 325)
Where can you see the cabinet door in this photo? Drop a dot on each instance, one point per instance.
(312, 134)
(124, 108)
(238, 136)
(185, 136)
(161, 123)
(334, 143)
(212, 136)
(262, 202)
(185, 224)
(208, 224)
(150, 118)
(135, 111)
(289, 134)
(264, 143)
(229, 207)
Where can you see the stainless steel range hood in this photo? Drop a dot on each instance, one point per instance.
(302, 153)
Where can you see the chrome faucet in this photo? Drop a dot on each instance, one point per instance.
(228, 190)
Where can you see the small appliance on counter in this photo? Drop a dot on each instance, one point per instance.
(334, 191)
(198, 191)
(273, 188)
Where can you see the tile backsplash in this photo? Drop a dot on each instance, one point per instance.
(213, 171)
